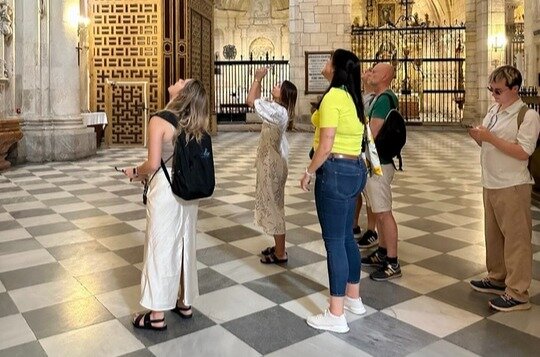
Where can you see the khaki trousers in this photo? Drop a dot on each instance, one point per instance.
(508, 231)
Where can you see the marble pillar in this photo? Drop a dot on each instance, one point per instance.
(50, 82)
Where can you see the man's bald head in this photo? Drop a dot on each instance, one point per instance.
(381, 76)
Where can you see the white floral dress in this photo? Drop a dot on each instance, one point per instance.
(271, 167)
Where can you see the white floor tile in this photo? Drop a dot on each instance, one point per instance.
(122, 302)
(223, 344)
(25, 259)
(92, 263)
(231, 303)
(15, 331)
(109, 338)
(432, 316)
(42, 295)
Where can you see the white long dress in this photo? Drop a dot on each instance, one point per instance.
(170, 249)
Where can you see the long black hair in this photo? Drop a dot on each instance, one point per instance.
(347, 74)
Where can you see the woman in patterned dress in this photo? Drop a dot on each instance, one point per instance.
(271, 162)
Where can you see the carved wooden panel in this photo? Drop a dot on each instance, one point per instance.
(125, 106)
(126, 44)
(200, 33)
(188, 43)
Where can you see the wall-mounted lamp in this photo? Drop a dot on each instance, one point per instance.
(497, 42)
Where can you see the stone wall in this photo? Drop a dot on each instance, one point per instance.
(252, 27)
(315, 25)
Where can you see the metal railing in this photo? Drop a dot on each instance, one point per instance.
(429, 64)
(233, 80)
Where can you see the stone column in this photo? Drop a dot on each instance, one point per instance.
(532, 42)
(485, 22)
(315, 25)
(470, 111)
(7, 52)
(52, 126)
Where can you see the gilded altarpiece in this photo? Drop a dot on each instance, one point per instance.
(126, 62)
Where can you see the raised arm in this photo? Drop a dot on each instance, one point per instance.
(255, 90)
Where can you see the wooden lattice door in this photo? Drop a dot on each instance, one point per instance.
(188, 43)
(125, 46)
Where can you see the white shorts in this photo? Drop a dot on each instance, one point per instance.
(378, 191)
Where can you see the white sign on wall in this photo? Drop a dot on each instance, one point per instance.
(315, 81)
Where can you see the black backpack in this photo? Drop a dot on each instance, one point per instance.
(392, 135)
(193, 164)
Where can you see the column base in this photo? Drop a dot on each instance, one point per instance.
(45, 142)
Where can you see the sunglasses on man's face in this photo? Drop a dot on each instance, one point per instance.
(497, 91)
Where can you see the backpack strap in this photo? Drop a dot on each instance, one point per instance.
(172, 119)
(521, 115)
(390, 98)
(167, 116)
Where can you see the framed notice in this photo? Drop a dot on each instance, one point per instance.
(315, 81)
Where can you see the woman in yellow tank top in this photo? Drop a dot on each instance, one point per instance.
(340, 176)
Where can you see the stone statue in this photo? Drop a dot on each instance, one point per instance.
(6, 31)
(6, 19)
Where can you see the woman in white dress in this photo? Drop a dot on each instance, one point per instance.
(169, 275)
(271, 162)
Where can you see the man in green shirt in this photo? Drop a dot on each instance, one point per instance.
(378, 188)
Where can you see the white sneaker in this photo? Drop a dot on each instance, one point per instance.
(329, 322)
(354, 305)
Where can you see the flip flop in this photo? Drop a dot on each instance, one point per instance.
(273, 259)
(178, 310)
(268, 251)
(147, 323)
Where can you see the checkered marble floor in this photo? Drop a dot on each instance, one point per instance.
(71, 243)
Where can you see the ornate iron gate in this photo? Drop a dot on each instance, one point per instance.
(515, 49)
(233, 80)
(429, 64)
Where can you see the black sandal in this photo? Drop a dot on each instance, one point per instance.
(147, 323)
(268, 251)
(273, 259)
(178, 310)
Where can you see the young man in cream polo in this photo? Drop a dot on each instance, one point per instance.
(507, 184)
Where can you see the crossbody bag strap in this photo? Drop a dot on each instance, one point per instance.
(162, 166)
(165, 171)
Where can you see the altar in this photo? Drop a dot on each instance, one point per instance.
(98, 120)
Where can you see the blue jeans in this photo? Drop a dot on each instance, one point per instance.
(339, 181)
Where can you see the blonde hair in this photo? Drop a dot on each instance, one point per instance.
(191, 108)
(509, 74)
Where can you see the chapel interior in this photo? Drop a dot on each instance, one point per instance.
(79, 80)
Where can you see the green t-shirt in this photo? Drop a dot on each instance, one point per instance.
(381, 107)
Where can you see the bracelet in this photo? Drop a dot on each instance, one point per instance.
(308, 173)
